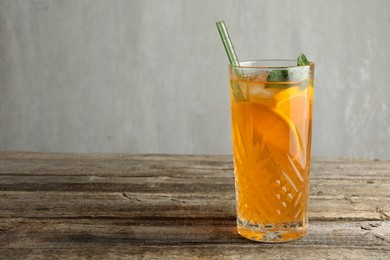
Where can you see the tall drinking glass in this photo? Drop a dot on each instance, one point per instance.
(271, 107)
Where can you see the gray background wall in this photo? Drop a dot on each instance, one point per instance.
(151, 76)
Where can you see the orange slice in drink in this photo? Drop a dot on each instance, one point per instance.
(294, 103)
(270, 127)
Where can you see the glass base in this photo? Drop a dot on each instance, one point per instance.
(276, 233)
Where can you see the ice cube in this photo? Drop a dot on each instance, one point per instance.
(258, 92)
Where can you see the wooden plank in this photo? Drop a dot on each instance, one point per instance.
(134, 205)
(111, 165)
(45, 233)
(197, 235)
(200, 252)
(225, 184)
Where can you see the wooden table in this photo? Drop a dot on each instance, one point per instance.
(116, 206)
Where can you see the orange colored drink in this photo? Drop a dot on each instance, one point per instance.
(271, 130)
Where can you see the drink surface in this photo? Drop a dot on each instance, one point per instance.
(271, 131)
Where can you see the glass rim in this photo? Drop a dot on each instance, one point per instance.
(244, 62)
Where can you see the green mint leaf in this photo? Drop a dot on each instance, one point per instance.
(291, 74)
(302, 60)
(278, 76)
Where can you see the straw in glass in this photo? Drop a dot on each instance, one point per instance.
(227, 43)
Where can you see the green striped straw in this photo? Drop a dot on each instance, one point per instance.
(227, 43)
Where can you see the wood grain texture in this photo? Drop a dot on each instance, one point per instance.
(118, 206)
